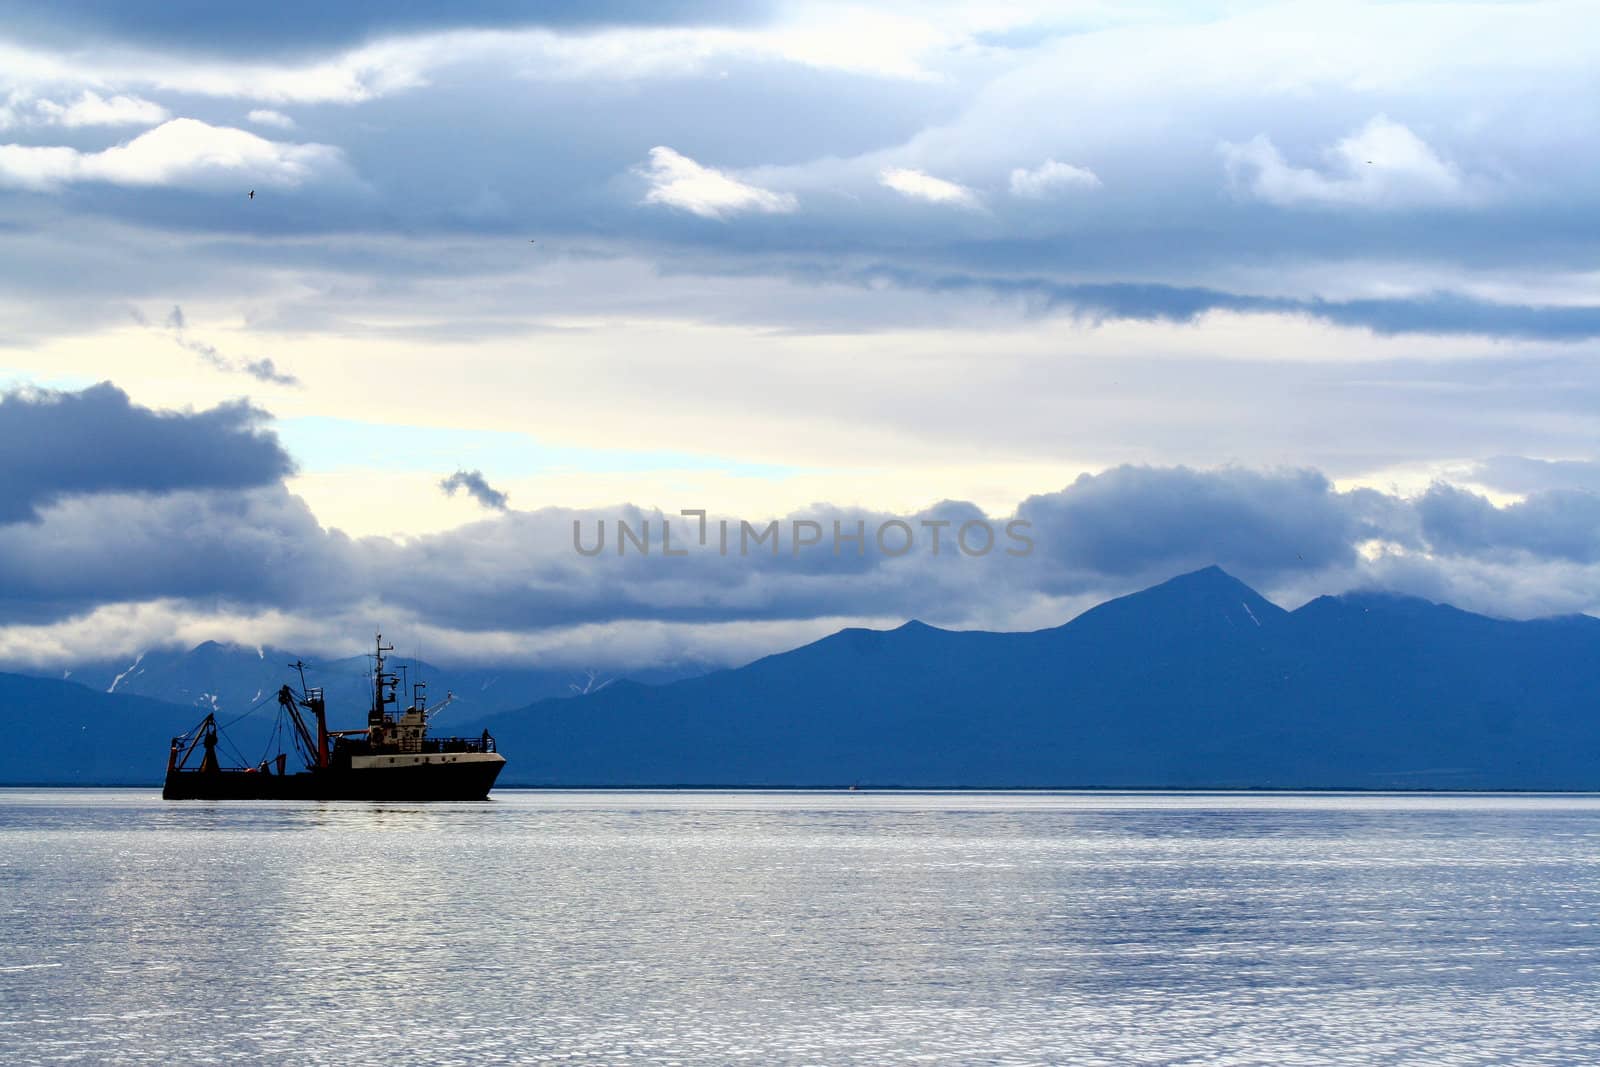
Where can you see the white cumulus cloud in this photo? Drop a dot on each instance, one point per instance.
(1051, 178)
(183, 152)
(263, 116)
(1383, 164)
(919, 186)
(89, 109)
(678, 181)
(92, 109)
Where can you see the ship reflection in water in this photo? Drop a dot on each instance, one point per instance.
(388, 759)
(760, 928)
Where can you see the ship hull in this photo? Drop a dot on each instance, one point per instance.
(461, 779)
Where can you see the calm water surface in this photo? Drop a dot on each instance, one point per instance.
(777, 928)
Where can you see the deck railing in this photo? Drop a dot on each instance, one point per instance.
(458, 744)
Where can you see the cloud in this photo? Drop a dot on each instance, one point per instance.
(1050, 179)
(1146, 522)
(265, 370)
(1167, 325)
(1555, 524)
(1520, 474)
(309, 25)
(919, 186)
(362, 74)
(89, 109)
(97, 441)
(262, 369)
(477, 487)
(255, 550)
(678, 181)
(1381, 165)
(205, 548)
(972, 124)
(262, 116)
(1428, 313)
(182, 152)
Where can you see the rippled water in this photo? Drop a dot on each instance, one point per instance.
(771, 928)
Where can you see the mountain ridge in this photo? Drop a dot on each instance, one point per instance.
(231, 677)
(58, 732)
(1197, 682)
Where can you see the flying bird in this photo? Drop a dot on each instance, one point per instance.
(252, 194)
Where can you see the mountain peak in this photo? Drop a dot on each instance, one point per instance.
(1205, 598)
(1205, 584)
(1206, 577)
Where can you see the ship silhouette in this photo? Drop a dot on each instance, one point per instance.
(391, 758)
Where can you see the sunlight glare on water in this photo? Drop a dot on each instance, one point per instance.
(826, 928)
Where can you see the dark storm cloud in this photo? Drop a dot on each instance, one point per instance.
(1558, 524)
(1143, 522)
(58, 444)
(519, 571)
(191, 508)
(302, 26)
(475, 486)
(207, 548)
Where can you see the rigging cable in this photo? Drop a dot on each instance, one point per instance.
(222, 738)
(275, 738)
(252, 711)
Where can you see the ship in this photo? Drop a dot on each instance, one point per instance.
(391, 758)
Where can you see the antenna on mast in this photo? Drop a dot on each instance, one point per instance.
(383, 684)
(300, 666)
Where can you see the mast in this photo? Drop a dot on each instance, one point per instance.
(312, 698)
(316, 753)
(383, 685)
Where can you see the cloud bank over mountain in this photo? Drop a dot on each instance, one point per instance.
(204, 525)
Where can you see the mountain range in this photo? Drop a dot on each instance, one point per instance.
(1196, 683)
(230, 679)
(1199, 682)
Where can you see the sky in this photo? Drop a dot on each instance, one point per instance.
(1310, 291)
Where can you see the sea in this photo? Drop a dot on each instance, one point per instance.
(802, 928)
